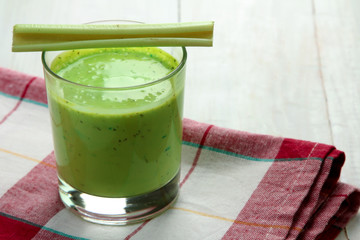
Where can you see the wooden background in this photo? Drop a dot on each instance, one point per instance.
(279, 67)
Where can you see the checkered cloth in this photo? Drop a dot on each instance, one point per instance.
(234, 185)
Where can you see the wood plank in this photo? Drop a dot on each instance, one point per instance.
(338, 36)
(262, 75)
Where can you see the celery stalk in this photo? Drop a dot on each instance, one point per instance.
(45, 37)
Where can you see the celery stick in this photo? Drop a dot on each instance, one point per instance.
(129, 42)
(45, 37)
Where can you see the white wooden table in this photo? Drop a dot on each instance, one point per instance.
(286, 68)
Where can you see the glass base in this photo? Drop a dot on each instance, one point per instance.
(119, 211)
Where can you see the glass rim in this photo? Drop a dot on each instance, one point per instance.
(173, 72)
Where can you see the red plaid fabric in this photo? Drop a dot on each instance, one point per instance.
(234, 185)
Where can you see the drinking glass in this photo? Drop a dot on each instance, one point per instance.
(117, 149)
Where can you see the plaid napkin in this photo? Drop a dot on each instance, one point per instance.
(234, 185)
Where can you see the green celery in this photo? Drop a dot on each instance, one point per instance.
(45, 37)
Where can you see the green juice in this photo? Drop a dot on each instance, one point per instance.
(117, 133)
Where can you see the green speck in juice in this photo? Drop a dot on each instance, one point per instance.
(111, 143)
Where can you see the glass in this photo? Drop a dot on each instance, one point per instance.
(118, 149)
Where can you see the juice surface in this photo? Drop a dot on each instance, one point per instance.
(116, 142)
